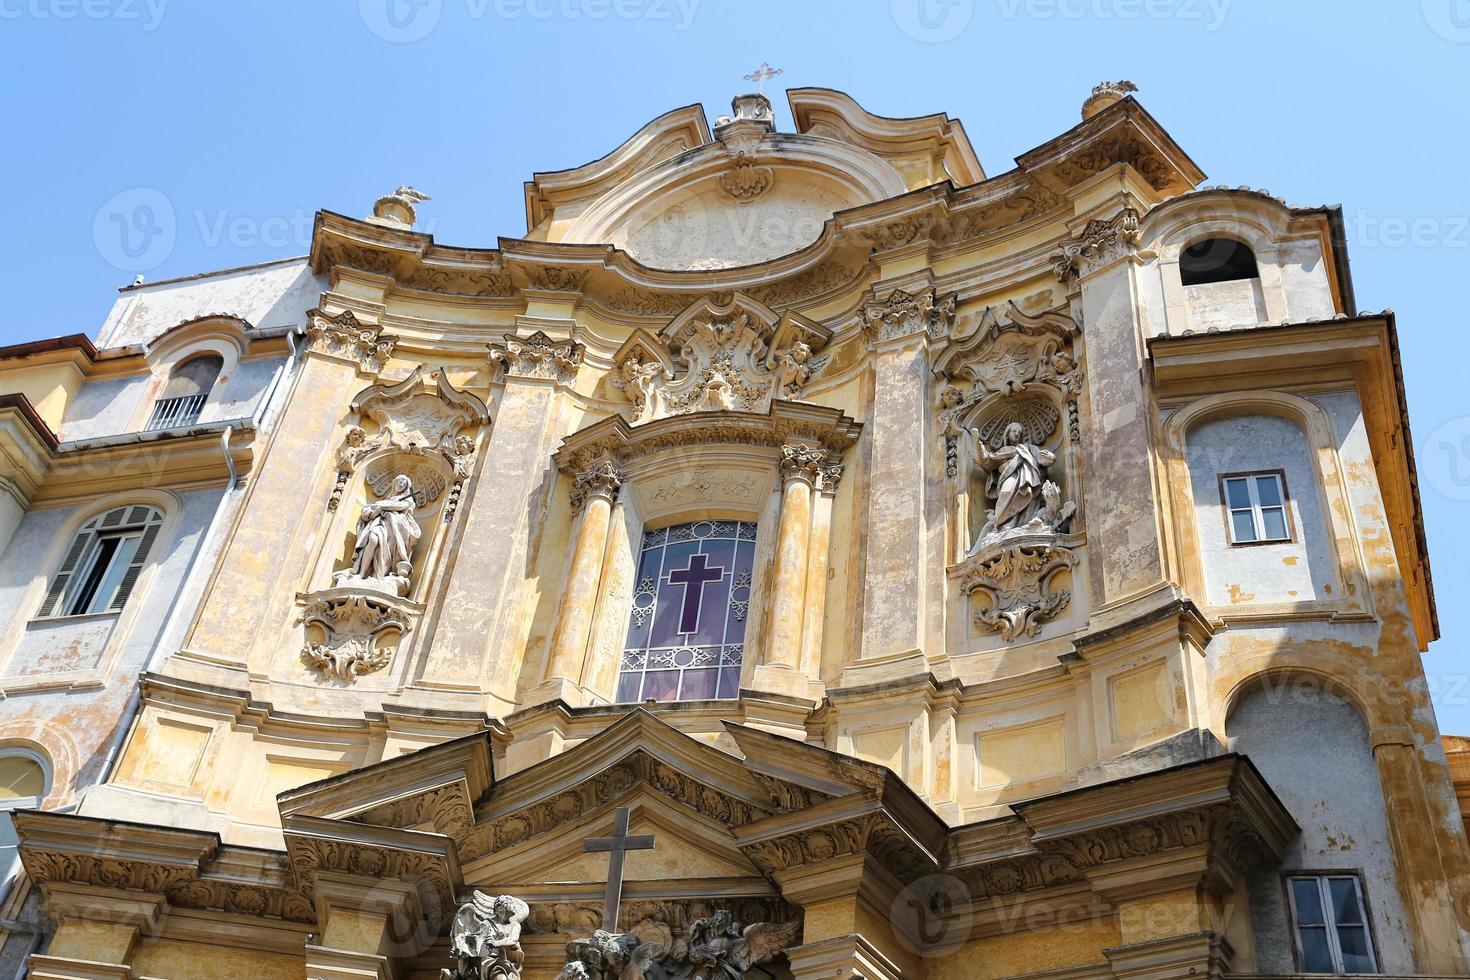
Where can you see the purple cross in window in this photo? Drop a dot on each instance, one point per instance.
(694, 577)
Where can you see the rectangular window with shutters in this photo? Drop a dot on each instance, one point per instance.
(102, 565)
(1330, 922)
(1256, 507)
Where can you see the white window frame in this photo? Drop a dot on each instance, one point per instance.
(1324, 896)
(10, 865)
(1258, 521)
(143, 522)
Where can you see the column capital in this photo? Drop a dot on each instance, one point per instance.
(602, 480)
(343, 337)
(810, 464)
(538, 356)
(1100, 242)
(901, 315)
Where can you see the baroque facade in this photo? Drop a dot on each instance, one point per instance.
(799, 555)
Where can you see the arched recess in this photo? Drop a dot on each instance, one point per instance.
(779, 471)
(1287, 721)
(1184, 552)
(1289, 248)
(217, 335)
(408, 450)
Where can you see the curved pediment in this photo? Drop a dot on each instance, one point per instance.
(675, 198)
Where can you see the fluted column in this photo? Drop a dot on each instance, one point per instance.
(782, 668)
(593, 496)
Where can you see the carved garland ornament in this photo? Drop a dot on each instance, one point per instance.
(356, 629)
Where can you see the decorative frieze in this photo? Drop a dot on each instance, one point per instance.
(344, 338)
(538, 356)
(715, 946)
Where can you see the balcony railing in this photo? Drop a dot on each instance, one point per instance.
(169, 413)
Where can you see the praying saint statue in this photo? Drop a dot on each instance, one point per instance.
(485, 939)
(1016, 481)
(386, 534)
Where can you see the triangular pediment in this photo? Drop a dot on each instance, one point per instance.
(686, 845)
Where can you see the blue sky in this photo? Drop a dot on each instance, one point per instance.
(240, 119)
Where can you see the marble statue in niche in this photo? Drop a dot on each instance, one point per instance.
(1016, 481)
(485, 939)
(387, 532)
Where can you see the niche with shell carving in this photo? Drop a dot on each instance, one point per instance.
(1008, 414)
(407, 452)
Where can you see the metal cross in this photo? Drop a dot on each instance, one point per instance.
(762, 73)
(618, 844)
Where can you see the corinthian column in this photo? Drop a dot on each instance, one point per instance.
(783, 668)
(593, 496)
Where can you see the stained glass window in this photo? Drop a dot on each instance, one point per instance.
(686, 631)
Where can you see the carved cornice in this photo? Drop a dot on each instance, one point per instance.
(1098, 244)
(190, 868)
(786, 423)
(582, 918)
(538, 356)
(344, 338)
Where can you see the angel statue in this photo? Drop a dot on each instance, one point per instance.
(386, 535)
(719, 949)
(1016, 481)
(643, 384)
(793, 369)
(486, 939)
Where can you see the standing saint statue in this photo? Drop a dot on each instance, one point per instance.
(386, 535)
(1016, 481)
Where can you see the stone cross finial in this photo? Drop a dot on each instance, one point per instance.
(761, 75)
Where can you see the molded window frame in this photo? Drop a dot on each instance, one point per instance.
(1256, 508)
(1333, 928)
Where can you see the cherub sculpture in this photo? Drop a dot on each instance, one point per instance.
(486, 939)
(716, 948)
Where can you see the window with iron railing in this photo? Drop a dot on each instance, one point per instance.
(183, 397)
(169, 413)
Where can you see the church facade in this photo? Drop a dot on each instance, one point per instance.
(801, 555)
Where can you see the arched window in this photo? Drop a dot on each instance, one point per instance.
(24, 783)
(686, 631)
(103, 563)
(183, 397)
(1216, 260)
